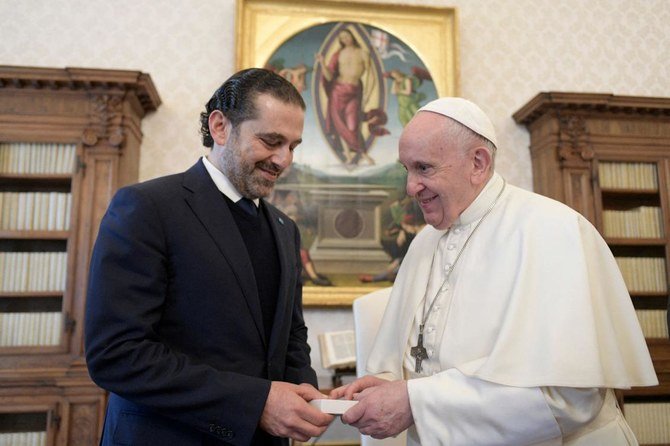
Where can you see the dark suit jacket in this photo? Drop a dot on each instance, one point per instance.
(173, 322)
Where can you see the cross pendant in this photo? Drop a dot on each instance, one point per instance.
(418, 352)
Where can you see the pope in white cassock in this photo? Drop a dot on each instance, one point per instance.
(509, 322)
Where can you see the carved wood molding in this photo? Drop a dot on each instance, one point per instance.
(104, 98)
(106, 121)
(82, 79)
(574, 147)
(546, 102)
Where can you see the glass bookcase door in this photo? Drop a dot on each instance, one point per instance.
(633, 201)
(632, 224)
(31, 424)
(35, 230)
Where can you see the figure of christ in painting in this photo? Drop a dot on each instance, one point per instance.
(342, 78)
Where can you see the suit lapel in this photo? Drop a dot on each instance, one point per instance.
(284, 247)
(210, 208)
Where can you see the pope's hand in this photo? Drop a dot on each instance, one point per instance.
(348, 391)
(383, 409)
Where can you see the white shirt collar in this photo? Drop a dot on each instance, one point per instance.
(223, 183)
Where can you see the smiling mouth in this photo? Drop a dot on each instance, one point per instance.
(274, 173)
(424, 200)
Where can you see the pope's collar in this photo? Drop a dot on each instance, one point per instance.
(483, 201)
(223, 183)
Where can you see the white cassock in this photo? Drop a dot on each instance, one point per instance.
(526, 339)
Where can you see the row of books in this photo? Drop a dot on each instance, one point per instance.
(33, 271)
(37, 158)
(649, 422)
(28, 329)
(643, 274)
(639, 176)
(25, 211)
(639, 222)
(23, 438)
(654, 323)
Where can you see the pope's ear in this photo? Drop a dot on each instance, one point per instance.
(219, 127)
(482, 161)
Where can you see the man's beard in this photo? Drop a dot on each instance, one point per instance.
(243, 175)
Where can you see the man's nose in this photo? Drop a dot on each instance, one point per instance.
(283, 157)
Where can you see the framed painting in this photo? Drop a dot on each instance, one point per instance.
(363, 70)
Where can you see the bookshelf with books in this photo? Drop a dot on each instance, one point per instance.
(608, 157)
(68, 139)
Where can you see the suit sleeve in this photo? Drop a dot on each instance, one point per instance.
(128, 282)
(298, 364)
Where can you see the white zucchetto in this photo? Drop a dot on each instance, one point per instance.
(466, 113)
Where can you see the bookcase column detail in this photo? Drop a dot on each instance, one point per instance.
(100, 181)
(106, 121)
(86, 414)
(69, 138)
(576, 154)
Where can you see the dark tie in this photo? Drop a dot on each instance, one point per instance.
(248, 206)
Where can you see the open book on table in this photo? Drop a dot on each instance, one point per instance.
(338, 349)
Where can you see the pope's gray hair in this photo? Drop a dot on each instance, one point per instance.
(467, 139)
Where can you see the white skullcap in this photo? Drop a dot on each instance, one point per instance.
(466, 113)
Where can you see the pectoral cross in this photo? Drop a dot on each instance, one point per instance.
(418, 352)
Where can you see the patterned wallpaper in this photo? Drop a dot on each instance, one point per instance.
(509, 51)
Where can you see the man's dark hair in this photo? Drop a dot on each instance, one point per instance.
(235, 98)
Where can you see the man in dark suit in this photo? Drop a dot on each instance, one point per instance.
(194, 320)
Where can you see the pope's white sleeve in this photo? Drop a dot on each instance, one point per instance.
(574, 408)
(450, 408)
(388, 376)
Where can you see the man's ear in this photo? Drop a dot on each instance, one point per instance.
(219, 127)
(481, 162)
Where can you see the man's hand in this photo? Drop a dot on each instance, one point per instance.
(383, 409)
(287, 412)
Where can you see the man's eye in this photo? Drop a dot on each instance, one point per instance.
(272, 142)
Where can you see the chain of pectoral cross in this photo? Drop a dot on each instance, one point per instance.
(419, 352)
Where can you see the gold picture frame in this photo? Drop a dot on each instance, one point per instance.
(262, 26)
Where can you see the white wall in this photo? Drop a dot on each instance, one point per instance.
(509, 51)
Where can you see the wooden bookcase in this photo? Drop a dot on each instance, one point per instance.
(68, 139)
(608, 157)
